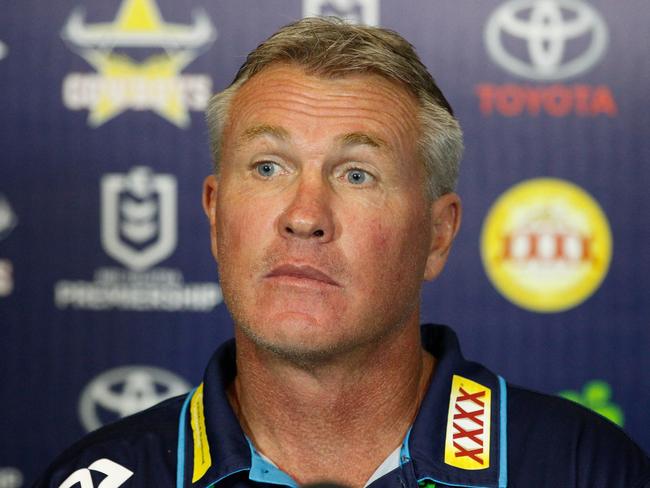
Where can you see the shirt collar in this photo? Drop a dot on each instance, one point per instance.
(459, 435)
(215, 445)
(453, 440)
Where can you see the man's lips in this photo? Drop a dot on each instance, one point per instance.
(301, 272)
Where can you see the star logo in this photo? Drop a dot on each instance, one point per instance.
(120, 82)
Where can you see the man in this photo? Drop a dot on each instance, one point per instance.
(336, 157)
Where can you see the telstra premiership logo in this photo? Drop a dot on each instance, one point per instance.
(533, 38)
(122, 83)
(139, 230)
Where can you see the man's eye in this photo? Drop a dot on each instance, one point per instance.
(358, 176)
(266, 168)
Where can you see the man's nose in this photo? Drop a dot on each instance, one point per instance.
(308, 214)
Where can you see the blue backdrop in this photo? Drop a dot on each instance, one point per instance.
(109, 297)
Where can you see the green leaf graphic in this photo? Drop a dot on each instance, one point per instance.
(596, 396)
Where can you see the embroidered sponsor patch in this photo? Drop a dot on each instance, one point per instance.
(467, 444)
(202, 458)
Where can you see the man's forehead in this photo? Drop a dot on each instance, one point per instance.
(356, 110)
(279, 133)
(291, 79)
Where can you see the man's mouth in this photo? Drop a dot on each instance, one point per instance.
(301, 272)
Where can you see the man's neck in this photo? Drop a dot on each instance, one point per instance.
(337, 420)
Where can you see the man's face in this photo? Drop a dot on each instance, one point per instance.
(320, 223)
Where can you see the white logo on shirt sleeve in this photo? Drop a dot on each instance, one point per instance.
(116, 475)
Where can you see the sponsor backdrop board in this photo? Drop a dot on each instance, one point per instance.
(109, 297)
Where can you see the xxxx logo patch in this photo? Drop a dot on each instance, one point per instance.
(467, 443)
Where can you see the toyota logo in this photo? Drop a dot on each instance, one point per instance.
(123, 391)
(546, 39)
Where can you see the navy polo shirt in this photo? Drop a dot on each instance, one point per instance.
(472, 430)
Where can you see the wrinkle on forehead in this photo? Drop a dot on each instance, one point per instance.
(370, 106)
(281, 134)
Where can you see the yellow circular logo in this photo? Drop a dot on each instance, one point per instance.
(546, 245)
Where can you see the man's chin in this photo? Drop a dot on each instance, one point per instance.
(300, 343)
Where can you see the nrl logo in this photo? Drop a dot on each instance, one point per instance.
(123, 84)
(355, 11)
(138, 225)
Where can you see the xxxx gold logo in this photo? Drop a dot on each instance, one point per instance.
(467, 444)
(546, 245)
(154, 83)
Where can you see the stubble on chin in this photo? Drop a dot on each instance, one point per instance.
(244, 294)
(310, 355)
(298, 353)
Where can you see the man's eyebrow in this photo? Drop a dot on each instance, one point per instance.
(362, 139)
(276, 132)
(264, 130)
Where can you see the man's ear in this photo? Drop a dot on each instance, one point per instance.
(210, 186)
(445, 219)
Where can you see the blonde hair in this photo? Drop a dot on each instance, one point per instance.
(330, 47)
